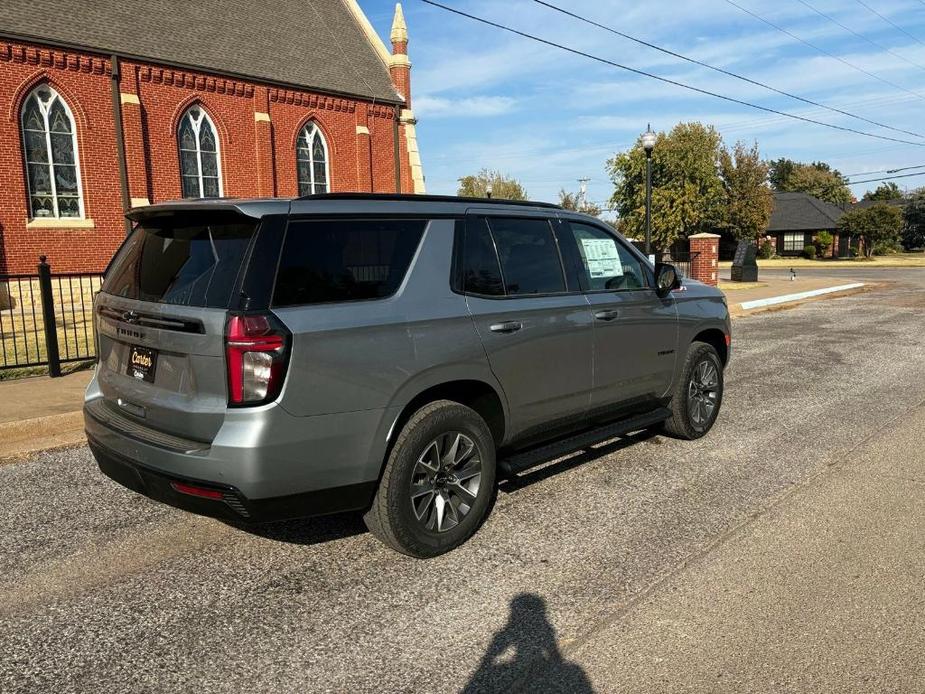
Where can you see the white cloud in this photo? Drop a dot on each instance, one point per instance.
(467, 107)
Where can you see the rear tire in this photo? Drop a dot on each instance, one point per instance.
(698, 394)
(438, 482)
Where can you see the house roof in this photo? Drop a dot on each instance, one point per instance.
(864, 204)
(320, 44)
(802, 212)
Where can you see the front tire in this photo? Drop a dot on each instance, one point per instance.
(697, 395)
(438, 481)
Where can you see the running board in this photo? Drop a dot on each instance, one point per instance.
(518, 462)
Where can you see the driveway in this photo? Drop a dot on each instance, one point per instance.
(104, 591)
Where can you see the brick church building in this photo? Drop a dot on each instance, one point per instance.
(109, 105)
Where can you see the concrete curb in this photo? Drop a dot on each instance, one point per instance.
(786, 298)
(28, 436)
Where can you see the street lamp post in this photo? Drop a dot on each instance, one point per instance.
(648, 144)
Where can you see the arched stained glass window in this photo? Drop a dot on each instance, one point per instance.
(50, 145)
(312, 160)
(200, 172)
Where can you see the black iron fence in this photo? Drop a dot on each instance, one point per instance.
(681, 260)
(46, 318)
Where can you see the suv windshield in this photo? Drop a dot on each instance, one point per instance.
(184, 260)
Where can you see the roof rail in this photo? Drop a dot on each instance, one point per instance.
(411, 197)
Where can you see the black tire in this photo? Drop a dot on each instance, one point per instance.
(393, 517)
(687, 420)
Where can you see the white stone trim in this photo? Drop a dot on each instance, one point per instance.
(261, 117)
(139, 202)
(399, 60)
(414, 158)
(374, 39)
(127, 98)
(60, 223)
(362, 130)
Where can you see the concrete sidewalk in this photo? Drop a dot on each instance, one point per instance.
(40, 412)
(738, 293)
(823, 592)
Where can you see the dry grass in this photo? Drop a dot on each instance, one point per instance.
(22, 334)
(895, 260)
(733, 286)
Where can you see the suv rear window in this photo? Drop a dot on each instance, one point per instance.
(326, 261)
(182, 260)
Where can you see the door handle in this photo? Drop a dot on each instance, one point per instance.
(511, 326)
(606, 315)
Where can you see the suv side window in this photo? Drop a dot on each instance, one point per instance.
(481, 269)
(607, 265)
(530, 261)
(332, 260)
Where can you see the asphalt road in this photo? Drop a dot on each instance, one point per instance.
(104, 591)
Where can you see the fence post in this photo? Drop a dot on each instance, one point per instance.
(48, 318)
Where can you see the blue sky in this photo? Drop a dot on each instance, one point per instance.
(486, 98)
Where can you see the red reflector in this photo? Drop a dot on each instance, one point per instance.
(197, 491)
(728, 340)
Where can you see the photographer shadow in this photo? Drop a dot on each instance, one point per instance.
(525, 652)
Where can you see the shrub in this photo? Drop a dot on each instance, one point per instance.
(823, 243)
(886, 248)
(809, 252)
(766, 250)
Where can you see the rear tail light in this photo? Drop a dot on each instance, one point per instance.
(256, 346)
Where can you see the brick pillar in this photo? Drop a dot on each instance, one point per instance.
(704, 254)
(136, 163)
(364, 150)
(263, 131)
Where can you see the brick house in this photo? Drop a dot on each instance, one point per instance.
(798, 217)
(109, 105)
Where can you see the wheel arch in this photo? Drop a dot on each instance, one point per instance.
(716, 338)
(477, 394)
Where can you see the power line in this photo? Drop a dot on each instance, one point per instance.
(860, 36)
(889, 171)
(666, 80)
(886, 178)
(721, 70)
(825, 52)
(890, 22)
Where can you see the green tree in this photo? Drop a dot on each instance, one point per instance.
(885, 191)
(913, 235)
(578, 203)
(817, 179)
(877, 224)
(687, 193)
(749, 200)
(779, 172)
(502, 186)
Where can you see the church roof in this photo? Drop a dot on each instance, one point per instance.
(322, 44)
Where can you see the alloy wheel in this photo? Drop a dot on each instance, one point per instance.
(445, 481)
(703, 393)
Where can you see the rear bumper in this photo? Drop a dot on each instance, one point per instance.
(234, 505)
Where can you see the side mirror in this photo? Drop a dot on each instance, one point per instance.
(666, 279)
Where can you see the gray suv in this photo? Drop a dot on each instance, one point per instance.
(272, 359)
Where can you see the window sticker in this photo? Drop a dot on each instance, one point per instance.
(602, 258)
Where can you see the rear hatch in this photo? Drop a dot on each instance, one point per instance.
(161, 317)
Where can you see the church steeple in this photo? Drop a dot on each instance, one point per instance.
(399, 64)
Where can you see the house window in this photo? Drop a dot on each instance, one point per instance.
(50, 146)
(312, 160)
(794, 242)
(200, 172)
